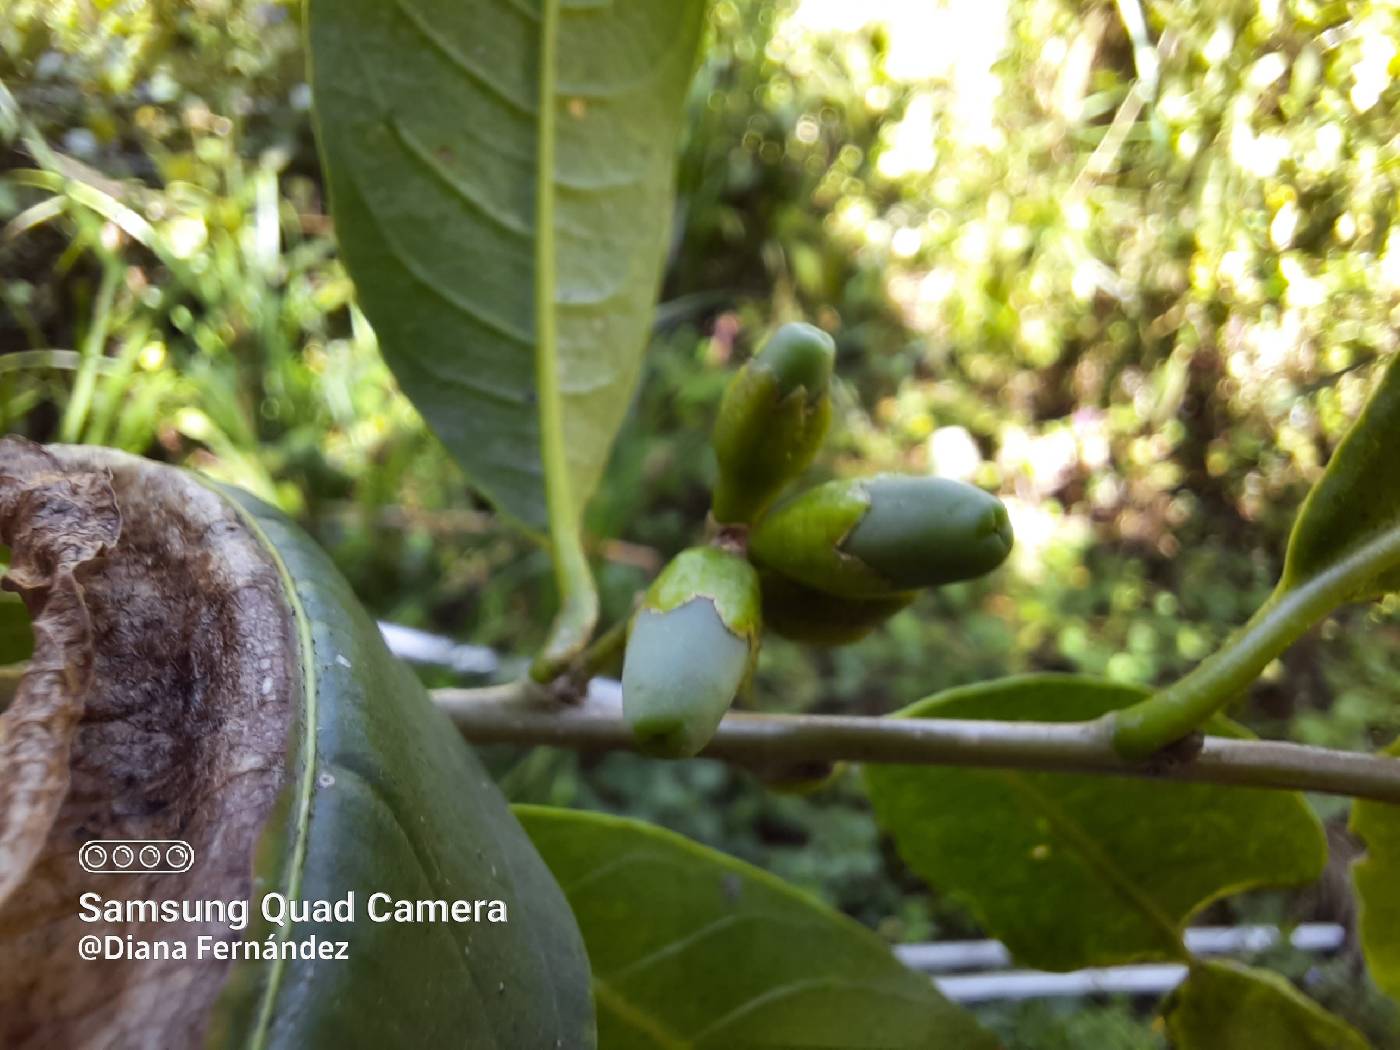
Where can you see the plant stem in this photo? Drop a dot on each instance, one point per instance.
(515, 714)
(604, 649)
(1183, 706)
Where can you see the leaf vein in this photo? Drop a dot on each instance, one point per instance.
(645, 1023)
(679, 945)
(607, 869)
(784, 991)
(676, 49)
(411, 267)
(495, 216)
(1101, 864)
(460, 61)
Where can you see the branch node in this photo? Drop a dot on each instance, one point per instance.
(1180, 752)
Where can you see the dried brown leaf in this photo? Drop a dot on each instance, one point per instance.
(157, 706)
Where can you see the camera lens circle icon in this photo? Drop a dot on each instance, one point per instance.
(93, 857)
(133, 856)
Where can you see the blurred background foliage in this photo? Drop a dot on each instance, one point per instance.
(1130, 267)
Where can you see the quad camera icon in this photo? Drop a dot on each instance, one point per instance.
(136, 856)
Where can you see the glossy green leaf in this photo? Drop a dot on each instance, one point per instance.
(692, 949)
(1227, 1006)
(508, 255)
(1345, 546)
(1377, 878)
(1074, 871)
(383, 796)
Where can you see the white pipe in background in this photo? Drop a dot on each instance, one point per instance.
(421, 647)
(1010, 985)
(960, 956)
(975, 971)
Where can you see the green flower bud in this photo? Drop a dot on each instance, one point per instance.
(691, 649)
(771, 421)
(875, 537)
(804, 614)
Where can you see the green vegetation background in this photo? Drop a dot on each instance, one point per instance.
(1145, 323)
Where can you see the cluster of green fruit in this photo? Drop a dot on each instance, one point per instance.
(825, 567)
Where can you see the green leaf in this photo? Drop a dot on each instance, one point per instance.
(1357, 501)
(1377, 878)
(1227, 1006)
(507, 254)
(16, 638)
(1074, 871)
(383, 796)
(694, 950)
(1345, 546)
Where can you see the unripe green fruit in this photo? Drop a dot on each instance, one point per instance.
(692, 647)
(805, 614)
(875, 537)
(771, 421)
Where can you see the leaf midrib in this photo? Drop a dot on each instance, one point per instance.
(1097, 861)
(559, 505)
(578, 597)
(607, 995)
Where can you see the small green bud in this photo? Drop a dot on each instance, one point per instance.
(805, 614)
(875, 537)
(691, 649)
(798, 355)
(771, 421)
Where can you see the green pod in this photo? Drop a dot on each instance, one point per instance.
(875, 537)
(771, 421)
(805, 614)
(691, 649)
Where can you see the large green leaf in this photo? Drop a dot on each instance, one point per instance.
(1226, 1006)
(507, 253)
(1377, 878)
(1345, 546)
(692, 949)
(385, 797)
(1075, 871)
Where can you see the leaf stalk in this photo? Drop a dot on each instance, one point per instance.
(1185, 705)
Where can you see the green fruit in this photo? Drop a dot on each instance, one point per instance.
(804, 614)
(771, 421)
(876, 537)
(692, 647)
